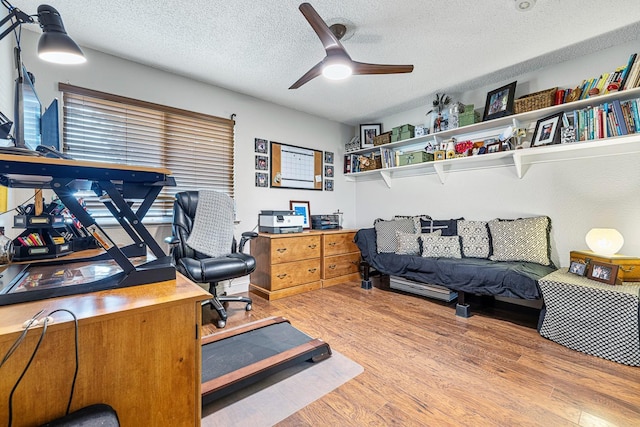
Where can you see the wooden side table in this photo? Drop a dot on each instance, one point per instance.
(591, 317)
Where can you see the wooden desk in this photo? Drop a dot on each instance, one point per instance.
(139, 351)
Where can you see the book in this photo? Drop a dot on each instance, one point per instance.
(627, 71)
(618, 115)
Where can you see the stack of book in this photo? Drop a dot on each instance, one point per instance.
(606, 120)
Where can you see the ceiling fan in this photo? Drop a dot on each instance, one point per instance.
(338, 64)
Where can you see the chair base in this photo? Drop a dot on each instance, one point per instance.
(217, 303)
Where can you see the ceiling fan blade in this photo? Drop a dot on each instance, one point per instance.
(363, 68)
(328, 39)
(314, 72)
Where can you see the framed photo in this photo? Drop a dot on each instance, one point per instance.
(547, 130)
(328, 171)
(302, 208)
(603, 272)
(367, 133)
(499, 102)
(262, 163)
(578, 268)
(262, 179)
(328, 157)
(492, 148)
(261, 145)
(328, 185)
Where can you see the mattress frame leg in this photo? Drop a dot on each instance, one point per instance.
(462, 309)
(366, 280)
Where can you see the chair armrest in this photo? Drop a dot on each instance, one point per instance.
(172, 240)
(246, 236)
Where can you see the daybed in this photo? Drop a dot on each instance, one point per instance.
(500, 257)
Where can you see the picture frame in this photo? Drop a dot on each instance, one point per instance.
(328, 171)
(328, 157)
(328, 185)
(603, 272)
(499, 102)
(492, 148)
(262, 163)
(578, 268)
(302, 208)
(547, 130)
(262, 179)
(261, 145)
(368, 132)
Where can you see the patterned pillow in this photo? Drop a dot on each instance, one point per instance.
(408, 243)
(525, 239)
(416, 220)
(475, 238)
(449, 227)
(440, 246)
(386, 233)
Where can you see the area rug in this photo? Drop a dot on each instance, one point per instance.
(273, 399)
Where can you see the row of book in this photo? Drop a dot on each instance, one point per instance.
(624, 77)
(606, 120)
(33, 239)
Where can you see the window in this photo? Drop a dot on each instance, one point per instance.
(197, 148)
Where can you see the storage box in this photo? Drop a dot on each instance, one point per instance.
(407, 128)
(383, 138)
(469, 117)
(535, 101)
(395, 137)
(370, 163)
(629, 267)
(408, 134)
(414, 157)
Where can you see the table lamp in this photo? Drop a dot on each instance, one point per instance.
(604, 241)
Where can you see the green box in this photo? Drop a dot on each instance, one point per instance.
(406, 135)
(395, 137)
(469, 117)
(414, 157)
(407, 128)
(395, 130)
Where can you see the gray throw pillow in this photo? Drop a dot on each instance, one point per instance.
(475, 238)
(408, 243)
(416, 220)
(386, 233)
(440, 246)
(525, 239)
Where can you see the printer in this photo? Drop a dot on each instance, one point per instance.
(280, 222)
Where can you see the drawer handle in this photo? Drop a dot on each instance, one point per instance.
(312, 270)
(281, 250)
(332, 243)
(312, 246)
(282, 276)
(628, 270)
(332, 267)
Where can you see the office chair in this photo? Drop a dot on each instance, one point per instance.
(214, 224)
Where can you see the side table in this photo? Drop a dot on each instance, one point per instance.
(591, 317)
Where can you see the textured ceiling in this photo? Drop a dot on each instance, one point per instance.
(260, 47)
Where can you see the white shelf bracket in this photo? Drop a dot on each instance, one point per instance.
(386, 175)
(439, 168)
(521, 168)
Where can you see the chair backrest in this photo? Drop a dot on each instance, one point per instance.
(184, 214)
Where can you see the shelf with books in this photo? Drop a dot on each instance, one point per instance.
(519, 159)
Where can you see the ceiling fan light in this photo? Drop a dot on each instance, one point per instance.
(336, 71)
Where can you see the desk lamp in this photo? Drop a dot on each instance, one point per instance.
(604, 241)
(54, 44)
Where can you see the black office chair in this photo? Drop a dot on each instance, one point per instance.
(202, 268)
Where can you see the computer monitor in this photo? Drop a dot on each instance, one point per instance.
(50, 127)
(28, 111)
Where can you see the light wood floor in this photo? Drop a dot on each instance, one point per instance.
(426, 367)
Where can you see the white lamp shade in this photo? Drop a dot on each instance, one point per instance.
(604, 241)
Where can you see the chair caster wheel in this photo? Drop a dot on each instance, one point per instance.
(248, 307)
(221, 323)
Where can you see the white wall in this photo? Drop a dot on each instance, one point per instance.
(577, 195)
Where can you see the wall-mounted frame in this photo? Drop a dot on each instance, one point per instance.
(547, 131)
(295, 167)
(262, 179)
(499, 102)
(367, 133)
(262, 163)
(328, 157)
(261, 145)
(302, 208)
(603, 272)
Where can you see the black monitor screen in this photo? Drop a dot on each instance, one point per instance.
(28, 112)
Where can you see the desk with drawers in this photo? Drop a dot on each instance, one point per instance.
(289, 264)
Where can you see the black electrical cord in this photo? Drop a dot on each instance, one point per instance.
(16, 209)
(19, 340)
(35, 351)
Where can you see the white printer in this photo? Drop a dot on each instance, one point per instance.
(280, 222)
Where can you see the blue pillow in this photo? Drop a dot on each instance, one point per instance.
(449, 227)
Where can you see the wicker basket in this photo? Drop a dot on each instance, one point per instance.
(535, 101)
(369, 164)
(383, 138)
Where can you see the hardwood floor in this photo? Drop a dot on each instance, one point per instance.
(426, 367)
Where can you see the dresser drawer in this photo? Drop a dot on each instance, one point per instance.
(340, 265)
(339, 243)
(295, 273)
(294, 249)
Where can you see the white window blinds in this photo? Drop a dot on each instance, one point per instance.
(198, 149)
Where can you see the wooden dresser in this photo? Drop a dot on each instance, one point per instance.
(289, 264)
